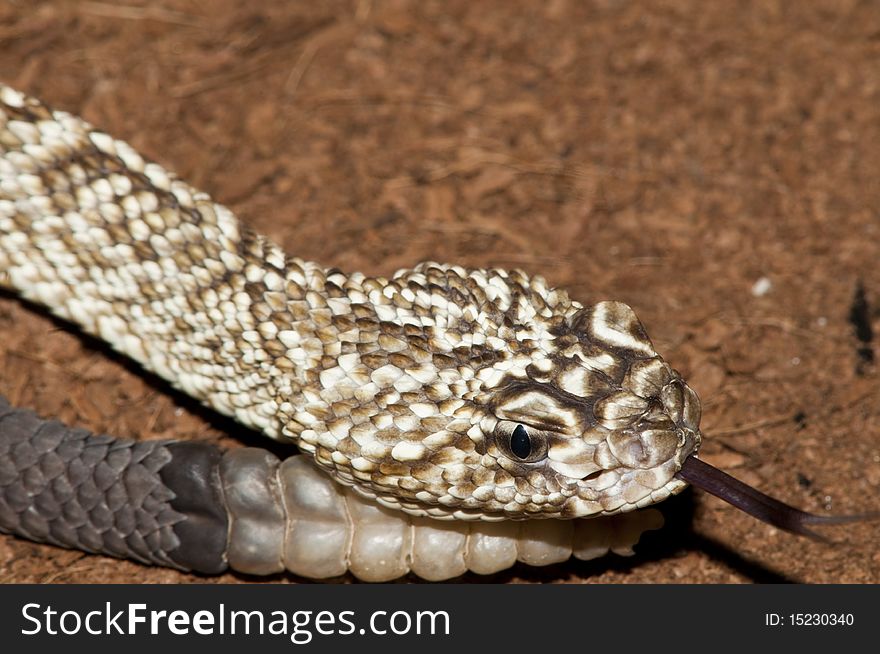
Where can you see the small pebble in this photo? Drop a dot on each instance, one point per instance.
(761, 287)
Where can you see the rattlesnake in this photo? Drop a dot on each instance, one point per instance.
(476, 415)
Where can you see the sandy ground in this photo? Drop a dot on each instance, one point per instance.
(714, 165)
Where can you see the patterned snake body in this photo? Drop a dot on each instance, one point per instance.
(441, 392)
(408, 388)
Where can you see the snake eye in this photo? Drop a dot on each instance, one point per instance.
(520, 443)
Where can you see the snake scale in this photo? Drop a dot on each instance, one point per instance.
(448, 419)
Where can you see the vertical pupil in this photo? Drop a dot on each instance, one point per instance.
(520, 443)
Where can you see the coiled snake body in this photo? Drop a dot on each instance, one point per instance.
(469, 396)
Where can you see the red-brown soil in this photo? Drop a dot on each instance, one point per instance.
(669, 155)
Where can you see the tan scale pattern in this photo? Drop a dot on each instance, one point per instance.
(408, 389)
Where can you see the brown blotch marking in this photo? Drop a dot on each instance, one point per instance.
(536, 374)
(445, 456)
(362, 312)
(434, 424)
(426, 472)
(503, 478)
(398, 410)
(343, 409)
(276, 349)
(422, 311)
(366, 349)
(326, 335)
(299, 310)
(349, 447)
(392, 467)
(436, 392)
(418, 340)
(537, 479)
(387, 436)
(512, 388)
(443, 361)
(420, 356)
(391, 343)
(342, 322)
(462, 489)
(362, 412)
(370, 360)
(368, 331)
(400, 360)
(144, 252)
(262, 312)
(321, 318)
(522, 485)
(332, 290)
(411, 485)
(254, 291)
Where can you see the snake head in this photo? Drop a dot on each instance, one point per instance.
(484, 394)
(595, 424)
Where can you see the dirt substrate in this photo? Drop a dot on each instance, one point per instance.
(714, 165)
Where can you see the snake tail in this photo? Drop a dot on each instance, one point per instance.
(195, 506)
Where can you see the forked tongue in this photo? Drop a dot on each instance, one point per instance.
(757, 504)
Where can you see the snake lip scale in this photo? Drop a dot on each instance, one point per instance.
(461, 419)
